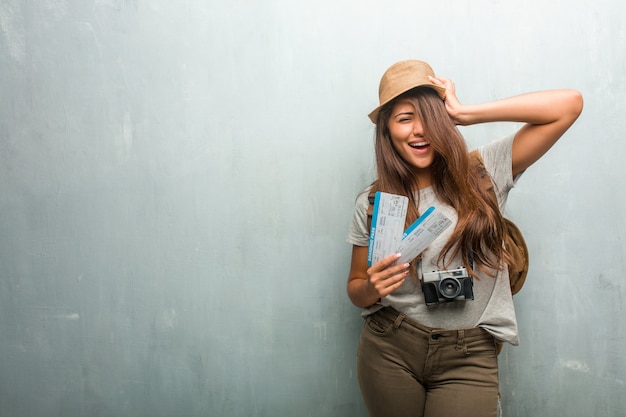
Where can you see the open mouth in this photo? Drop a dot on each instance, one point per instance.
(419, 145)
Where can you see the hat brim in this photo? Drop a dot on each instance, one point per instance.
(373, 116)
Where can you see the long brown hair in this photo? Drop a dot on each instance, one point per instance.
(480, 224)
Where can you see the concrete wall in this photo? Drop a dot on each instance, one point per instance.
(177, 178)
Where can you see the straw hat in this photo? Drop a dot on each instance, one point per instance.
(402, 77)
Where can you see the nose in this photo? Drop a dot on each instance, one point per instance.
(417, 128)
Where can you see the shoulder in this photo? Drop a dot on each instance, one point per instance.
(358, 233)
(498, 149)
(362, 198)
(497, 157)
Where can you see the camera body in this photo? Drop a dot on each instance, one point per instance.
(445, 286)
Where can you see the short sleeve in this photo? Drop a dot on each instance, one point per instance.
(357, 233)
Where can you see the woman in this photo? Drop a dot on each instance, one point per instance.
(440, 360)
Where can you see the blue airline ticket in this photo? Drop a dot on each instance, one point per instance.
(422, 233)
(388, 220)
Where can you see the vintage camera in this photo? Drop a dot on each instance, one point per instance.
(445, 286)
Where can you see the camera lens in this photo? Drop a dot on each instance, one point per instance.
(450, 287)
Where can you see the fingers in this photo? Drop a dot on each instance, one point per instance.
(383, 263)
(440, 81)
(385, 277)
(443, 82)
(452, 103)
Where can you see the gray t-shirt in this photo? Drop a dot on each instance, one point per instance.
(492, 307)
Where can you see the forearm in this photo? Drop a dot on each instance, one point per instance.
(361, 293)
(536, 108)
(367, 285)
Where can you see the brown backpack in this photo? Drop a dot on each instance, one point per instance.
(513, 239)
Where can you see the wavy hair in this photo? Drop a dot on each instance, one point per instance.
(480, 224)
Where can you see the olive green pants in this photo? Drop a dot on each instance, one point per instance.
(409, 370)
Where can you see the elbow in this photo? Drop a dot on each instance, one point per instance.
(568, 105)
(575, 103)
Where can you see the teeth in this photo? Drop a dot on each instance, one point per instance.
(418, 144)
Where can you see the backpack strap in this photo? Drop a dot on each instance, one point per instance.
(371, 197)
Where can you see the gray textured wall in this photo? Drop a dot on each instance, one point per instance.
(177, 177)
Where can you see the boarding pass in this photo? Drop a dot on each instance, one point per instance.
(387, 225)
(387, 236)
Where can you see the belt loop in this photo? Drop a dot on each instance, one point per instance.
(398, 321)
(460, 342)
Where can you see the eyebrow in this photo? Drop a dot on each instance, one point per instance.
(404, 112)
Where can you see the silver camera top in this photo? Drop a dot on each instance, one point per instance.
(435, 276)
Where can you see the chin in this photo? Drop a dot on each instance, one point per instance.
(422, 163)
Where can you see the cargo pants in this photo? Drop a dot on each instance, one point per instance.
(406, 369)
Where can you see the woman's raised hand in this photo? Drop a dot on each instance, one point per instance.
(453, 105)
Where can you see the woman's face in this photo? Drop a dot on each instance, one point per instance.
(407, 137)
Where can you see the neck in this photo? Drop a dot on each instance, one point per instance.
(423, 178)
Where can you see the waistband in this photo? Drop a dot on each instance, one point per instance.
(433, 334)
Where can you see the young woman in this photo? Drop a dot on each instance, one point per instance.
(440, 360)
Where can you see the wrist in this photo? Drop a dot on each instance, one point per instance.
(363, 294)
(370, 293)
(466, 115)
